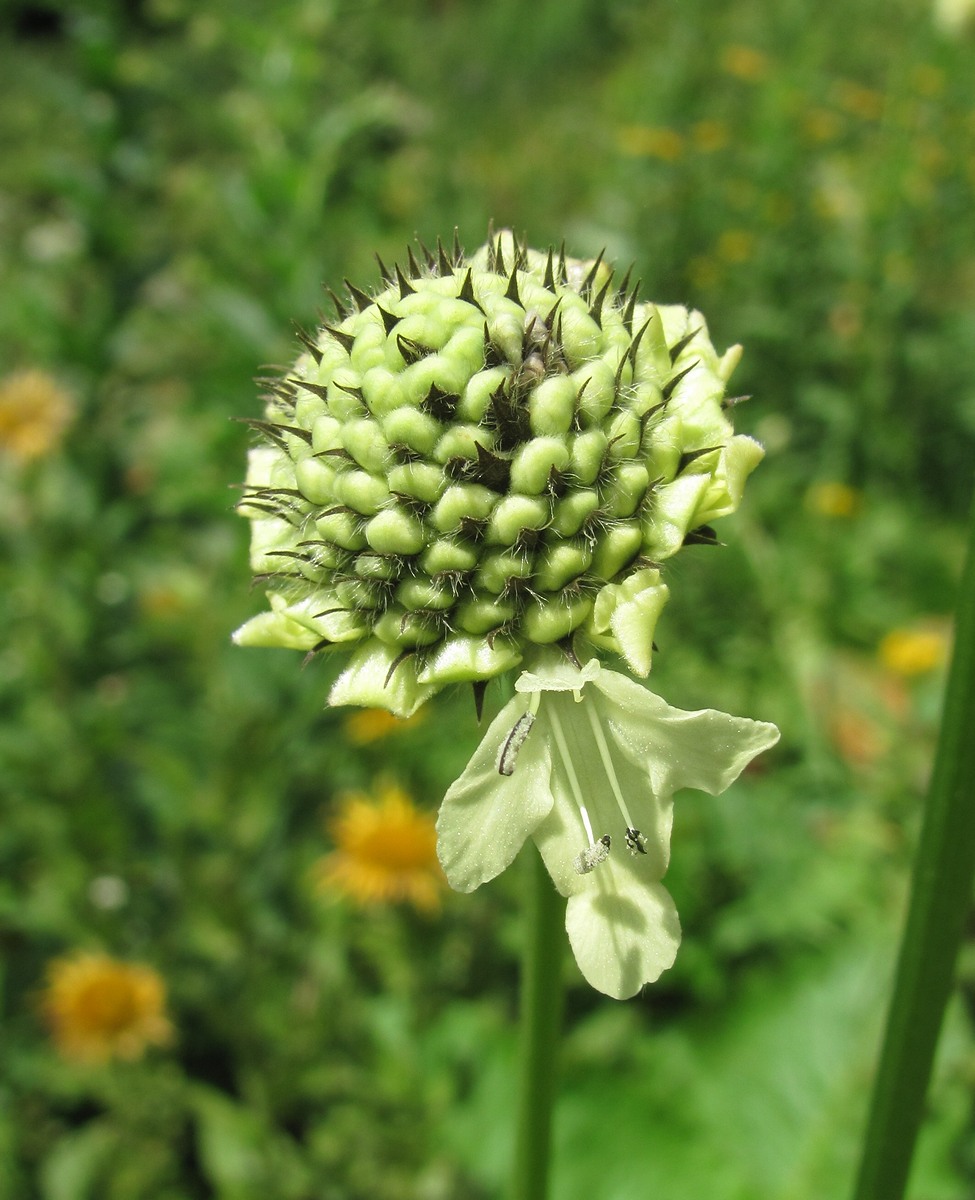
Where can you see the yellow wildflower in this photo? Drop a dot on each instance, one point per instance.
(864, 102)
(710, 135)
(829, 498)
(99, 1008)
(821, 124)
(34, 413)
(744, 63)
(650, 141)
(386, 851)
(914, 651)
(367, 725)
(736, 245)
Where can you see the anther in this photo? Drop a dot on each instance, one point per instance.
(514, 742)
(516, 738)
(636, 843)
(592, 856)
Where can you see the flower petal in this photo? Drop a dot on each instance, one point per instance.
(624, 933)
(704, 749)
(486, 816)
(555, 674)
(562, 834)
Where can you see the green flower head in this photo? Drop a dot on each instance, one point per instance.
(483, 456)
(482, 466)
(585, 761)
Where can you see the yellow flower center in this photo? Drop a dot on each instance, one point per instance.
(386, 851)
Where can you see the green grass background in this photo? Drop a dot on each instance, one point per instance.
(176, 182)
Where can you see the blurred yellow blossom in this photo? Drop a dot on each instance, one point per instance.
(829, 498)
(367, 725)
(650, 141)
(864, 102)
(98, 1008)
(736, 245)
(863, 709)
(822, 124)
(34, 413)
(745, 63)
(709, 135)
(385, 851)
(915, 650)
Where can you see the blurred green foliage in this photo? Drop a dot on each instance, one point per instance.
(176, 180)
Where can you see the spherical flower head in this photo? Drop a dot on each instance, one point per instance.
(35, 411)
(485, 456)
(98, 1008)
(386, 851)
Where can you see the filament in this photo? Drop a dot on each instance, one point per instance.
(604, 754)
(570, 772)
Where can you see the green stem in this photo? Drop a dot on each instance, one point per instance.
(541, 1026)
(940, 901)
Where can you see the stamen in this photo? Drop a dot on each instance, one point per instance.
(516, 738)
(635, 841)
(592, 856)
(563, 749)
(514, 742)
(614, 783)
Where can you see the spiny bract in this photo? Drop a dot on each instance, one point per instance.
(485, 456)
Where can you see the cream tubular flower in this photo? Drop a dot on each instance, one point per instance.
(585, 761)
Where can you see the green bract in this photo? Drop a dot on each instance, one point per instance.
(484, 456)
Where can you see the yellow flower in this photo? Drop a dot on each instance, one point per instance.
(649, 141)
(710, 135)
(822, 125)
(914, 651)
(34, 413)
(866, 103)
(736, 245)
(99, 1008)
(386, 851)
(371, 724)
(831, 499)
(745, 63)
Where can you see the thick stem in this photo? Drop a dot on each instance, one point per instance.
(541, 1026)
(940, 902)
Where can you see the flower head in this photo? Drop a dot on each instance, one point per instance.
(585, 761)
(34, 413)
(386, 851)
(486, 455)
(916, 650)
(99, 1008)
(482, 466)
